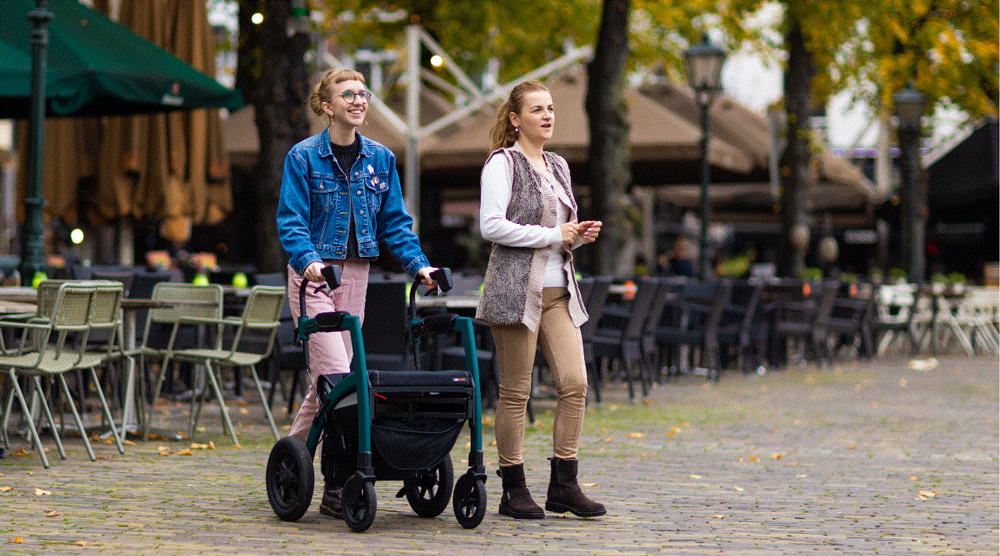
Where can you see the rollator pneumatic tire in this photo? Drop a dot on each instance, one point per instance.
(289, 478)
(359, 504)
(470, 501)
(430, 491)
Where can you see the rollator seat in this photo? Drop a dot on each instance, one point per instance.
(419, 379)
(423, 381)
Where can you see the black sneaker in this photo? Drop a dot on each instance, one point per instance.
(332, 504)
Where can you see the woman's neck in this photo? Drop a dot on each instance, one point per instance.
(341, 136)
(534, 153)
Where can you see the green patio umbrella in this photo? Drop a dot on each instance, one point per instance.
(92, 66)
(97, 67)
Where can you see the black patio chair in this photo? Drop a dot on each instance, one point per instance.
(851, 321)
(804, 321)
(691, 322)
(620, 346)
(740, 329)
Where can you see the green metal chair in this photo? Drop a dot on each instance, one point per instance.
(178, 300)
(49, 348)
(261, 314)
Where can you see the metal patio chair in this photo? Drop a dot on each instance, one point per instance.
(262, 312)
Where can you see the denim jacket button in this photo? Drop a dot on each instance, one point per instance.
(359, 192)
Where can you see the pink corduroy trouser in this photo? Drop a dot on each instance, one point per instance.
(329, 352)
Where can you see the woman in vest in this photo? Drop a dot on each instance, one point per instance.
(531, 298)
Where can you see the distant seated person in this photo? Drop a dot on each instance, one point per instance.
(680, 263)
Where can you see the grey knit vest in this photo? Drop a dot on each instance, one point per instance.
(512, 291)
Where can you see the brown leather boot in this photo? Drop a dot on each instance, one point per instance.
(565, 494)
(516, 501)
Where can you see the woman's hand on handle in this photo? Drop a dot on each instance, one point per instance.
(425, 276)
(589, 230)
(314, 272)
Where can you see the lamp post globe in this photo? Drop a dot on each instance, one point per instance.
(704, 62)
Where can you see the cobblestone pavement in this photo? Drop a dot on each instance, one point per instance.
(866, 458)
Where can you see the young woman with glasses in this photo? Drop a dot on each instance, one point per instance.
(340, 195)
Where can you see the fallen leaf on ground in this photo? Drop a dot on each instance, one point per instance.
(752, 458)
(636, 434)
(16, 540)
(775, 456)
(21, 453)
(166, 453)
(244, 411)
(852, 447)
(53, 513)
(101, 457)
(792, 463)
(80, 543)
(6, 489)
(608, 440)
(40, 492)
(738, 489)
(646, 402)
(718, 516)
(913, 478)
(127, 443)
(923, 364)
(588, 485)
(185, 452)
(928, 493)
(668, 434)
(801, 476)
(695, 476)
(675, 429)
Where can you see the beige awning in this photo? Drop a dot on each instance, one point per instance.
(655, 134)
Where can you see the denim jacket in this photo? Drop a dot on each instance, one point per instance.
(313, 217)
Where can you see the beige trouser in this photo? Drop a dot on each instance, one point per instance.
(562, 347)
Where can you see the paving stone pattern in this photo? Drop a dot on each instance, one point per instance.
(858, 458)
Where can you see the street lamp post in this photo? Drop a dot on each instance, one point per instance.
(704, 64)
(909, 104)
(33, 230)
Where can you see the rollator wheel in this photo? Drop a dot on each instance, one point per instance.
(430, 491)
(470, 501)
(359, 504)
(289, 478)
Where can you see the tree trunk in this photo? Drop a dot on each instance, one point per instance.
(608, 172)
(795, 160)
(272, 75)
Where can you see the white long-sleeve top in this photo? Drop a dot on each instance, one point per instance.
(495, 193)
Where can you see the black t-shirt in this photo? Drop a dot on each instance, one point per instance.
(346, 157)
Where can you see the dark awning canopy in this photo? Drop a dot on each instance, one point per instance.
(97, 67)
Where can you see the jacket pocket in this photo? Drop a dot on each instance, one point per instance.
(376, 188)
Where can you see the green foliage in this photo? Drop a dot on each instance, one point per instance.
(522, 35)
(948, 48)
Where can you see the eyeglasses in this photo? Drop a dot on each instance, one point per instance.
(349, 96)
